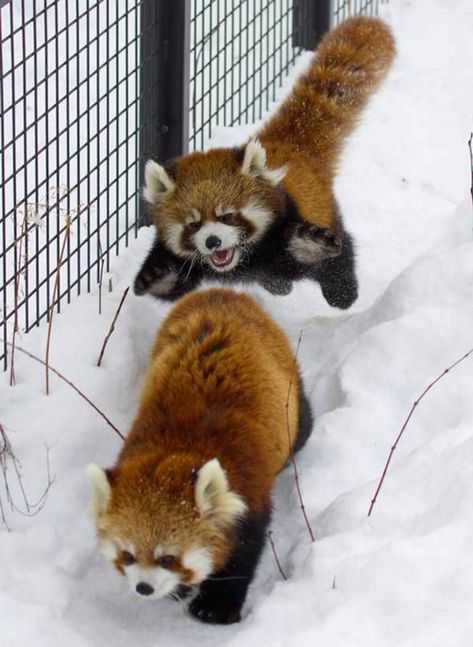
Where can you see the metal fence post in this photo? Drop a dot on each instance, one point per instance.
(164, 83)
(311, 19)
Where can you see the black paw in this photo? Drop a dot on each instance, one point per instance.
(310, 244)
(278, 286)
(340, 294)
(155, 279)
(213, 611)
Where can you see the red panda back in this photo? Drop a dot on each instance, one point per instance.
(218, 384)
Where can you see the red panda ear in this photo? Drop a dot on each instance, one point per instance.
(213, 496)
(100, 488)
(254, 160)
(254, 164)
(157, 182)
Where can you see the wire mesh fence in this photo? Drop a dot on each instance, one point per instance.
(69, 148)
(344, 8)
(83, 83)
(240, 53)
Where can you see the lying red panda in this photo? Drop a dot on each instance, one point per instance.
(266, 212)
(188, 501)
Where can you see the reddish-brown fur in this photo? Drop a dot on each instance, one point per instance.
(309, 128)
(305, 135)
(216, 387)
(277, 192)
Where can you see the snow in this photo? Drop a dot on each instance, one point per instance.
(404, 576)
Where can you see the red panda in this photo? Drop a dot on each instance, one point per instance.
(189, 498)
(266, 212)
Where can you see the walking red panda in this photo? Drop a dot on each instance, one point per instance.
(266, 212)
(189, 498)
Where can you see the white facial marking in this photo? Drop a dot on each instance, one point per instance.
(259, 217)
(161, 580)
(172, 236)
(226, 233)
(220, 211)
(197, 217)
(198, 560)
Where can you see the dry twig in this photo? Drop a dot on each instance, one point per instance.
(8, 458)
(406, 422)
(102, 265)
(273, 548)
(19, 274)
(112, 326)
(73, 386)
(470, 141)
(293, 459)
(67, 232)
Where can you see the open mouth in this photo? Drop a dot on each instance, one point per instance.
(222, 257)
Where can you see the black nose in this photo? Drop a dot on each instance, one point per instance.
(144, 589)
(213, 242)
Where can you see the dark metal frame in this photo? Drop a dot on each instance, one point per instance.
(311, 21)
(90, 91)
(164, 82)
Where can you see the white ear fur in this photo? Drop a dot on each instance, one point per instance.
(254, 164)
(213, 496)
(157, 182)
(254, 161)
(100, 489)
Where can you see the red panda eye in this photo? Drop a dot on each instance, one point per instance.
(127, 558)
(193, 226)
(227, 218)
(166, 561)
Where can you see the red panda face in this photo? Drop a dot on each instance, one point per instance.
(164, 525)
(216, 206)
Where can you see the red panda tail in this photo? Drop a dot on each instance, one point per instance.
(326, 102)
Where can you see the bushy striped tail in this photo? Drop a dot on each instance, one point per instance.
(326, 102)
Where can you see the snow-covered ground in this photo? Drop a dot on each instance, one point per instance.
(404, 576)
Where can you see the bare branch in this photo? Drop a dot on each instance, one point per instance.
(470, 141)
(112, 326)
(19, 274)
(102, 265)
(73, 386)
(7, 457)
(406, 422)
(291, 447)
(53, 299)
(276, 559)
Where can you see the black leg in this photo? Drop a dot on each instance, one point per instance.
(165, 275)
(306, 420)
(337, 277)
(221, 597)
(277, 285)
